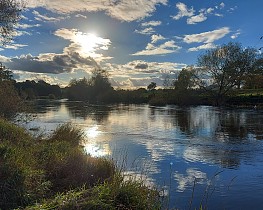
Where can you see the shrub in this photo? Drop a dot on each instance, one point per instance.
(68, 133)
(12, 133)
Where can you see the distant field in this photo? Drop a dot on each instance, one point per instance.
(250, 92)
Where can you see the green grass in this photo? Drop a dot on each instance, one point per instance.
(114, 194)
(249, 92)
(55, 173)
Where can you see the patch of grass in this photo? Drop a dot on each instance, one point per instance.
(52, 171)
(249, 92)
(113, 194)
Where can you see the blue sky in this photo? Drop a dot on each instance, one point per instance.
(136, 41)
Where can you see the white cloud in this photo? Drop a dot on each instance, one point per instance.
(236, 35)
(122, 10)
(146, 31)
(203, 47)
(151, 23)
(26, 26)
(79, 54)
(15, 46)
(81, 16)
(232, 9)
(183, 11)
(156, 37)
(4, 59)
(165, 48)
(207, 37)
(140, 73)
(210, 10)
(193, 18)
(24, 75)
(196, 19)
(149, 27)
(46, 18)
(222, 5)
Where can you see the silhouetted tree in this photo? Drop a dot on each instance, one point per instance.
(78, 90)
(255, 79)
(5, 73)
(10, 14)
(96, 89)
(151, 86)
(10, 102)
(185, 79)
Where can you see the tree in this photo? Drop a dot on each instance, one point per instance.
(10, 102)
(5, 73)
(97, 89)
(255, 79)
(185, 79)
(224, 68)
(100, 81)
(10, 14)
(151, 86)
(79, 90)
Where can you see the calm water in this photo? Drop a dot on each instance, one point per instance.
(217, 151)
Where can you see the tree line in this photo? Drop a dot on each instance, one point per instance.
(215, 79)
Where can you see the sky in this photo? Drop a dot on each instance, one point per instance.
(136, 41)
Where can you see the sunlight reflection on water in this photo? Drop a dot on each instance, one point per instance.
(93, 132)
(96, 150)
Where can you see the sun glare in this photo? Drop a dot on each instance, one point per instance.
(90, 42)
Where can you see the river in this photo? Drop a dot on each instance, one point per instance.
(198, 155)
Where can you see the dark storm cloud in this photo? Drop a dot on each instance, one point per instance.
(141, 66)
(50, 63)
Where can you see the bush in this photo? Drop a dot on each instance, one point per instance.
(67, 133)
(12, 133)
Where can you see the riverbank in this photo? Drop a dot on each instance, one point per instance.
(54, 172)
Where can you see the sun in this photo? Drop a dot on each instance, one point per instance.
(90, 43)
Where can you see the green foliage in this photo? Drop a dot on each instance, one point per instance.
(67, 133)
(10, 102)
(227, 67)
(10, 13)
(95, 90)
(12, 133)
(31, 90)
(5, 74)
(21, 181)
(140, 95)
(185, 79)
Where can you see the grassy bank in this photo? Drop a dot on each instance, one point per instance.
(54, 172)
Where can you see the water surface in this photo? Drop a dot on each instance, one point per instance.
(200, 154)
